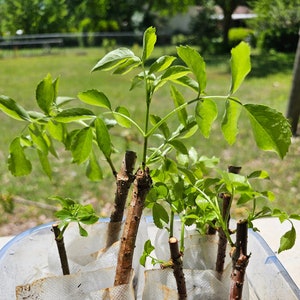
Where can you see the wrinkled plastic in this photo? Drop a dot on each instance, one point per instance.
(31, 267)
(79, 286)
(199, 259)
(200, 284)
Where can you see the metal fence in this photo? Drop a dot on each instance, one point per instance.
(75, 39)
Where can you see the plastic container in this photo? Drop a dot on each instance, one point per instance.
(32, 256)
(268, 279)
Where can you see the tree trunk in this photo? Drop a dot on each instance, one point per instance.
(141, 187)
(228, 8)
(293, 111)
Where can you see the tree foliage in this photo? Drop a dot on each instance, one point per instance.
(34, 16)
(47, 16)
(277, 24)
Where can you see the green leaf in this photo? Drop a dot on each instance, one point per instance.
(189, 175)
(196, 64)
(82, 145)
(46, 94)
(163, 127)
(178, 101)
(63, 214)
(174, 72)
(50, 144)
(161, 189)
(103, 137)
(62, 100)
(270, 128)
(89, 219)
(240, 65)
(56, 130)
(18, 164)
(187, 81)
(179, 146)
(45, 163)
(86, 214)
(160, 215)
(295, 217)
(122, 116)
(152, 197)
(269, 195)
(148, 248)
(93, 170)
(82, 231)
(113, 59)
(36, 116)
(64, 202)
(96, 98)
(127, 66)
(281, 215)
(187, 131)
(55, 85)
(149, 40)
(143, 259)
(38, 139)
(230, 120)
(162, 63)
(137, 80)
(206, 112)
(74, 114)
(287, 241)
(261, 174)
(170, 166)
(12, 109)
(75, 212)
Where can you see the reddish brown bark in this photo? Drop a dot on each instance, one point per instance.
(124, 180)
(176, 257)
(240, 261)
(226, 206)
(222, 244)
(141, 187)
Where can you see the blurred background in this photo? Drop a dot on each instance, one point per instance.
(67, 37)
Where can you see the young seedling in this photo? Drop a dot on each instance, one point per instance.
(71, 212)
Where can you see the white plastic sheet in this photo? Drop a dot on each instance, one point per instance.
(31, 268)
(199, 259)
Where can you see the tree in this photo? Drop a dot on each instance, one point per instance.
(1, 17)
(293, 111)
(228, 7)
(34, 16)
(277, 24)
(88, 14)
(154, 8)
(204, 28)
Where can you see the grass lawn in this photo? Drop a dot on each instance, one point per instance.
(269, 83)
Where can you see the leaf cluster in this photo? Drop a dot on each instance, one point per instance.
(75, 212)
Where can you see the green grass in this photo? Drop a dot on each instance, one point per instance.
(269, 84)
